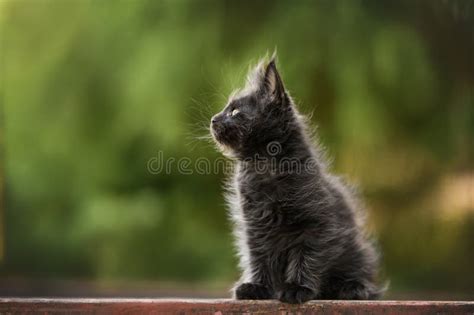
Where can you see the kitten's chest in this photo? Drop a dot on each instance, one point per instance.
(263, 200)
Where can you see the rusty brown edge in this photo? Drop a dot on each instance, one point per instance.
(223, 306)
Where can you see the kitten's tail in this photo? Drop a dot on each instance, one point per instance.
(379, 291)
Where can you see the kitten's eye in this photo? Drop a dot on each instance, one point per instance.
(235, 112)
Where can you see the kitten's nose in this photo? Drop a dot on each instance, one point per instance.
(215, 119)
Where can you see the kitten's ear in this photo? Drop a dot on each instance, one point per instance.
(272, 83)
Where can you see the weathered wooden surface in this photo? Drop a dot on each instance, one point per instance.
(180, 306)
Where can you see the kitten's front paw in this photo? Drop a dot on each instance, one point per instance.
(252, 291)
(296, 294)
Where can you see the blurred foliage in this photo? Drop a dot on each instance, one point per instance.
(91, 90)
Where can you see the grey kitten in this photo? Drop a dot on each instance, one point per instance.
(297, 227)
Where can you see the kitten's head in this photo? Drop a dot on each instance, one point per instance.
(259, 113)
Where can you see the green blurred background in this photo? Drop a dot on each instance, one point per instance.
(92, 90)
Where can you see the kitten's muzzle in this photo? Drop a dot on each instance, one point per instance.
(216, 119)
(219, 128)
(216, 125)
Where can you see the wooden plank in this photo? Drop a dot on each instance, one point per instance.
(221, 306)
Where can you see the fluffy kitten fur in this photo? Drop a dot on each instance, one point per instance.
(298, 228)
